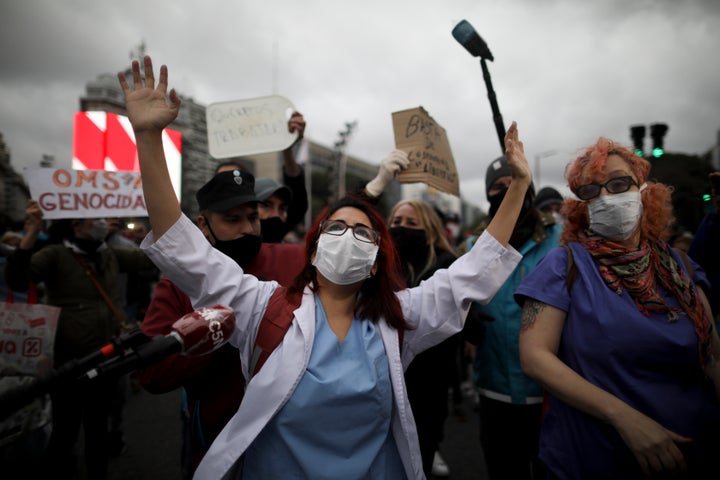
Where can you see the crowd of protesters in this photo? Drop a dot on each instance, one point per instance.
(588, 330)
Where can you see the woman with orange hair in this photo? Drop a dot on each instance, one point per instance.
(617, 331)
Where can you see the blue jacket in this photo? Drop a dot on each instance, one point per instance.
(497, 357)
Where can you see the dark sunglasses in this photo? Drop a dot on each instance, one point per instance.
(614, 185)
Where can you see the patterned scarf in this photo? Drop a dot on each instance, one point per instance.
(639, 270)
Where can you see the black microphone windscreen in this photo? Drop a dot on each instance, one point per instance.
(466, 36)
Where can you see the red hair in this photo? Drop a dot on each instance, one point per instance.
(377, 295)
(656, 197)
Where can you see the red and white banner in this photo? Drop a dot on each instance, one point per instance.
(106, 141)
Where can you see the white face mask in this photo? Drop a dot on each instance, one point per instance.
(343, 259)
(98, 230)
(616, 216)
(454, 229)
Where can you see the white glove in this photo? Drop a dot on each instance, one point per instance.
(395, 162)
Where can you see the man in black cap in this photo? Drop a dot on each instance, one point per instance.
(230, 221)
(229, 215)
(548, 200)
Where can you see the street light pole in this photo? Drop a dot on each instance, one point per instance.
(337, 175)
(538, 157)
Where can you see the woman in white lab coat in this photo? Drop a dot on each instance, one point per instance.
(330, 402)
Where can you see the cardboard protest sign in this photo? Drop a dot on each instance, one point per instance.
(248, 127)
(65, 193)
(428, 149)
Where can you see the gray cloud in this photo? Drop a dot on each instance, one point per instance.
(567, 71)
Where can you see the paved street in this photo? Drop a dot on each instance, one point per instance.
(153, 437)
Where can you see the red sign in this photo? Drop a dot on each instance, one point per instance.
(105, 141)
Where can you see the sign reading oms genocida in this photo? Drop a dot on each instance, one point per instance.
(63, 193)
(250, 126)
(428, 149)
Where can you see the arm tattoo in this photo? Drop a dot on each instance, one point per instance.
(530, 312)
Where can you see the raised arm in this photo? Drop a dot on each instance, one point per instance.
(502, 224)
(395, 162)
(150, 112)
(296, 124)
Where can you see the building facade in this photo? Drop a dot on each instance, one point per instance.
(323, 165)
(14, 193)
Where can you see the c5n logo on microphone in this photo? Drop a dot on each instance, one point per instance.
(214, 319)
(205, 329)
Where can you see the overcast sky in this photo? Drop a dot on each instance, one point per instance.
(568, 71)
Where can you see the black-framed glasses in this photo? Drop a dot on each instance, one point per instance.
(614, 185)
(361, 232)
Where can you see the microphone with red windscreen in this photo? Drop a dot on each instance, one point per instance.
(196, 333)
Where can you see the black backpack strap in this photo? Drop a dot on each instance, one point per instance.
(686, 261)
(275, 323)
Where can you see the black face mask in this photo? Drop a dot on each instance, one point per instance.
(87, 245)
(273, 229)
(411, 244)
(243, 249)
(525, 224)
(497, 199)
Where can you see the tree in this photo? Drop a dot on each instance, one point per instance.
(688, 176)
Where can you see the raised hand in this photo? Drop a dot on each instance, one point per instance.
(394, 163)
(503, 222)
(515, 154)
(297, 124)
(150, 112)
(33, 225)
(147, 105)
(34, 216)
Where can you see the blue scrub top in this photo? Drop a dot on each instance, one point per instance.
(648, 362)
(336, 424)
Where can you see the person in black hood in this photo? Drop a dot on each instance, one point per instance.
(510, 403)
(497, 181)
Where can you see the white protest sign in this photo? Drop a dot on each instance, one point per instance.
(250, 126)
(65, 193)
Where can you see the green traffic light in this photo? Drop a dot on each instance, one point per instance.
(657, 152)
(707, 197)
(639, 152)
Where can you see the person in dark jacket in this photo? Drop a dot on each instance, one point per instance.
(423, 246)
(74, 271)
